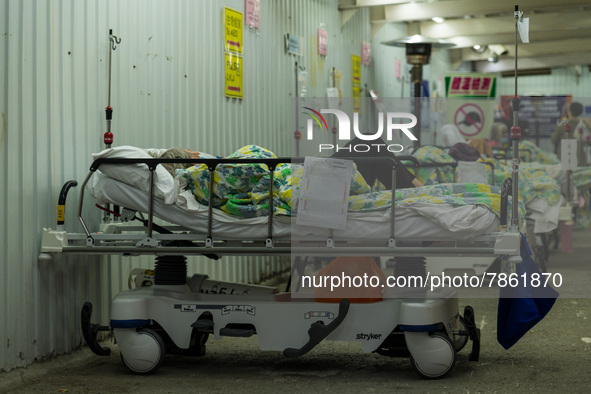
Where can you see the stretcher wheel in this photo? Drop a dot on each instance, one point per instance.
(144, 353)
(460, 340)
(437, 359)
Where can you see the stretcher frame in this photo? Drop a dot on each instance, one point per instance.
(148, 320)
(503, 242)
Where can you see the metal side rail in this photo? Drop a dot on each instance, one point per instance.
(494, 244)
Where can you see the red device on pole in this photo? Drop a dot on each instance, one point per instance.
(108, 137)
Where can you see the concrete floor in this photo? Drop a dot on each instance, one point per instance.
(555, 356)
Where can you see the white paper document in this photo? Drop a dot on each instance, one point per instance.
(324, 192)
(523, 27)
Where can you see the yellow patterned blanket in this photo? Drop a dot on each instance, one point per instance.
(243, 189)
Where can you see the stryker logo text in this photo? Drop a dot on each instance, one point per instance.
(369, 336)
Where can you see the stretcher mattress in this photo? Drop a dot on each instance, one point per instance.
(419, 221)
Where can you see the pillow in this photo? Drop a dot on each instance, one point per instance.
(137, 175)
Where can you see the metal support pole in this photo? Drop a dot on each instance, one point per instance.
(515, 135)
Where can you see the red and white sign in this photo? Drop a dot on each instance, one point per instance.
(252, 13)
(322, 42)
(470, 85)
(365, 53)
(469, 119)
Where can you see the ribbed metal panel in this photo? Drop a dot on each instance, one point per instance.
(167, 90)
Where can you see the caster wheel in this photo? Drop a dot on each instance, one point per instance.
(142, 351)
(437, 359)
(461, 340)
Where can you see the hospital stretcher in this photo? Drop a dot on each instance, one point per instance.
(173, 315)
(542, 218)
(441, 264)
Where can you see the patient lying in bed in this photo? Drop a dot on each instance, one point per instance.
(242, 190)
(178, 153)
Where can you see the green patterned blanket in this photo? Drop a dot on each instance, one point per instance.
(582, 178)
(534, 182)
(243, 189)
(533, 179)
(434, 175)
(530, 153)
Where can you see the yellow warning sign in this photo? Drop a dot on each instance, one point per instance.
(61, 213)
(233, 65)
(356, 66)
(232, 30)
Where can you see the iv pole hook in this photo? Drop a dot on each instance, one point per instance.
(114, 40)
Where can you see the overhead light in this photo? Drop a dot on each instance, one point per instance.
(480, 49)
(498, 49)
(437, 19)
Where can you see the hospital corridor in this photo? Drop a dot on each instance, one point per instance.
(295, 196)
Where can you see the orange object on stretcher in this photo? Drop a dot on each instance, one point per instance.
(356, 278)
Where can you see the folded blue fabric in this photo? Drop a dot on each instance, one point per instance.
(522, 307)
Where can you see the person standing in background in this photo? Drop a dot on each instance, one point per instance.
(498, 136)
(574, 128)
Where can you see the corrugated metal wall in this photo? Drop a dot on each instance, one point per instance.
(167, 90)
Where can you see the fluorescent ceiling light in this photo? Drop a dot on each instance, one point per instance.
(498, 49)
(480, 49)
(437, 19)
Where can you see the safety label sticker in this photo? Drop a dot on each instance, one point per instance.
(318, 314)
(249, 309)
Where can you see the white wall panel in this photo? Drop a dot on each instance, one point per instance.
(167, 90)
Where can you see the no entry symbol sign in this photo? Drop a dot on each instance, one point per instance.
(469, 119)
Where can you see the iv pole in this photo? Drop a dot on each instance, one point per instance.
(515, 134)
(108, 136)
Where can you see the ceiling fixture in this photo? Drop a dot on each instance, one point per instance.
(437, 19)
(418, 53)
(498, 49)
(480, 49)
